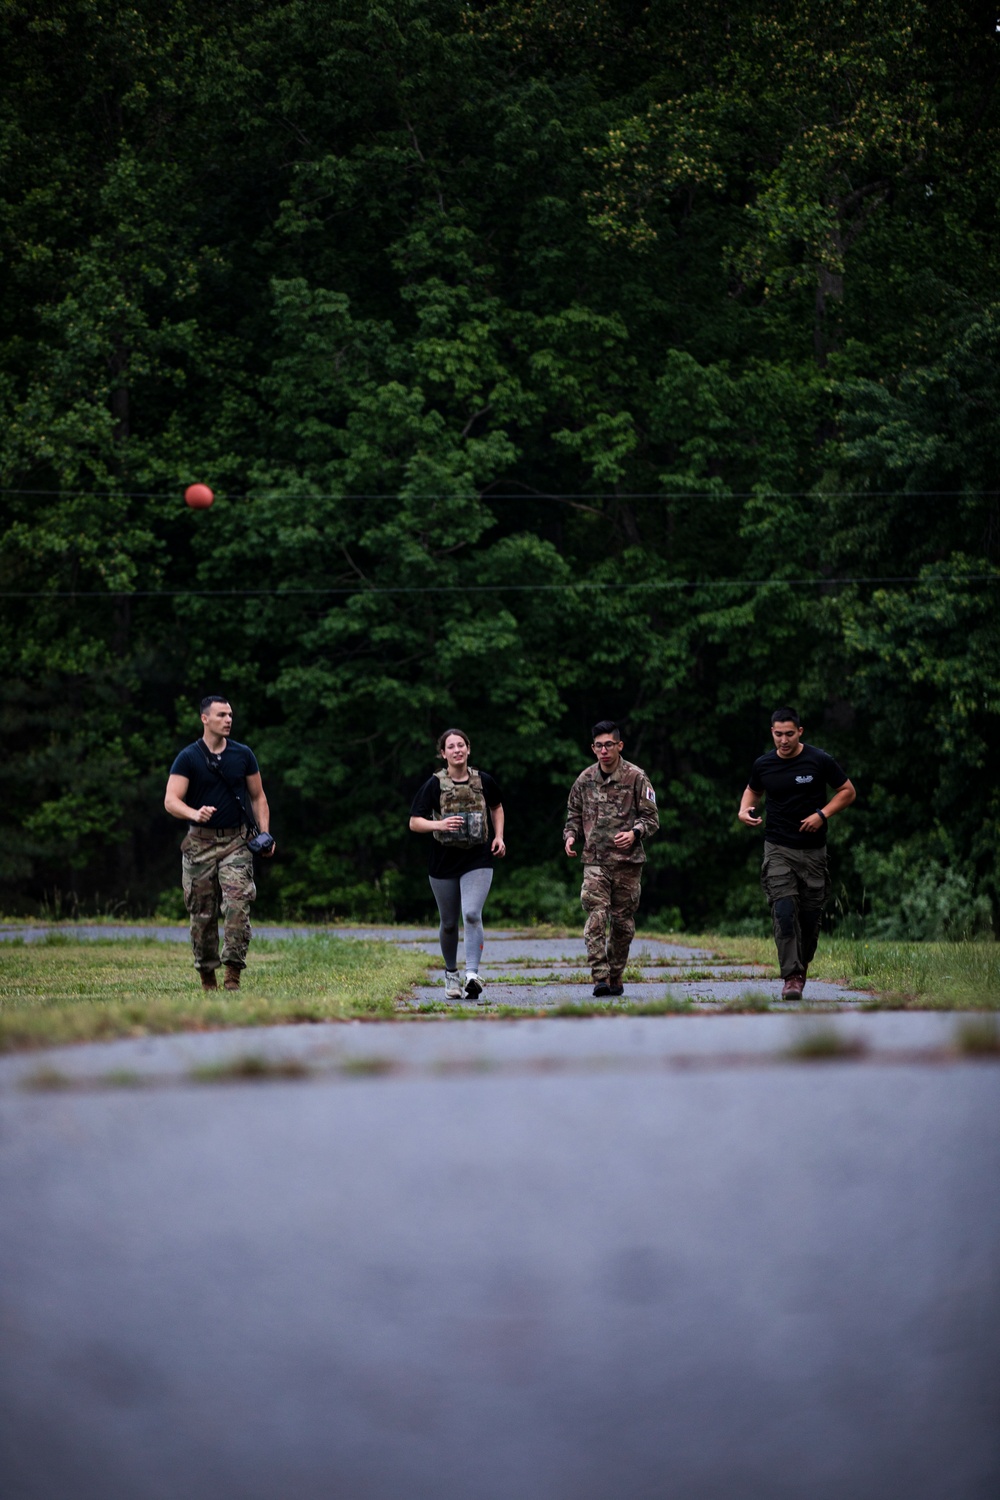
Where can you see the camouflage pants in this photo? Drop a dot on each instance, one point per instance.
(797, 884)
(610, 896)
(217, 869)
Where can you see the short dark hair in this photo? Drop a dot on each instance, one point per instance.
(786, 716)
(443, 736)
(606, 726)
(206, 703)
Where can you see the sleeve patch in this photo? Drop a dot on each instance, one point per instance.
(651, 795)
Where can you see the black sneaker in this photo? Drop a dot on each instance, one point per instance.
(616, 989)
(602, 989)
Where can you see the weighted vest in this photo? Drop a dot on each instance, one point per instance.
(465, 798)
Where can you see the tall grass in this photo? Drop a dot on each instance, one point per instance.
(962, 975)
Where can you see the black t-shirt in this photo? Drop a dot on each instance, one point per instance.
(446, 862)
(211, 779)
(795, 788)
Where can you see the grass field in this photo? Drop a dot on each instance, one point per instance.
(61, 990)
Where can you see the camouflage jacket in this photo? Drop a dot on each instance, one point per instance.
(601, 806)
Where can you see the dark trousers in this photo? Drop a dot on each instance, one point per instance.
(797, 885)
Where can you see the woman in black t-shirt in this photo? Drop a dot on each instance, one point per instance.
(455, 806)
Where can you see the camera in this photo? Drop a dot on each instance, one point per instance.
(260, 843)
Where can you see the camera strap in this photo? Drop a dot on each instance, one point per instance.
(215, 765)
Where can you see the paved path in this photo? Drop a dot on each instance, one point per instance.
(551, 1259)
(516, 966)
(178, 933)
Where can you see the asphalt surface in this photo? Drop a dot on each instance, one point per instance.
(558, 1259)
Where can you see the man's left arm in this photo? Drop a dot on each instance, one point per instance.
(842, 797)
(261, 811)
(646, 819)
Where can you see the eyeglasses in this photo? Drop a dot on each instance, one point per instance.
(600, 745)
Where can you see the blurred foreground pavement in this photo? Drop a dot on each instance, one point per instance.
(733, 1279)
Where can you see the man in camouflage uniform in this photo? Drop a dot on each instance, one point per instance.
(612, 806)
(218, 775)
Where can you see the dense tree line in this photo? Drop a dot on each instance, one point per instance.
(549, 361)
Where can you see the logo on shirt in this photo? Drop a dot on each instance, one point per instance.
(803, 779)
(652, 796)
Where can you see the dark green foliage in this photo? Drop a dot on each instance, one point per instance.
(548, 363)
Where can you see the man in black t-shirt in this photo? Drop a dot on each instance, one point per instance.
(793, 777)
(209, 786)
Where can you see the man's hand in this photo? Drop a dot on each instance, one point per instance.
(748, 813)
(569, 846)
(842, 797)
(625, 839)
(454, 823)
(204, 814)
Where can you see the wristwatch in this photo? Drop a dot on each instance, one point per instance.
(637, 830)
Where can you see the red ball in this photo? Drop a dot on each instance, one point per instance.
(198, 496)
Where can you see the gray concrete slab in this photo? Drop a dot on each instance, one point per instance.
(674, 973)
(775, 1283)
(572, 950)
(178, 932)
(606, 1040)
(504, 944)
(705, 992)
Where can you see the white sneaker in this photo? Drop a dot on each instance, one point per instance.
(452, 985)
(473, 986)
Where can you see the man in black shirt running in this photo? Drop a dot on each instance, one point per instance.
(794, 777)
(209, 786)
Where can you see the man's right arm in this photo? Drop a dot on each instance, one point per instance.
(174, 802)
(749, 800)
(574, 819)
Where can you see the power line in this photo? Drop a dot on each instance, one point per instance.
(583, 586)
(488, 498)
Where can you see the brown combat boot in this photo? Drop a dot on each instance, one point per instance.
(208, 980)
(232, 979)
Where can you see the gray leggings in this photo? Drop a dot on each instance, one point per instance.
(466, 893)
